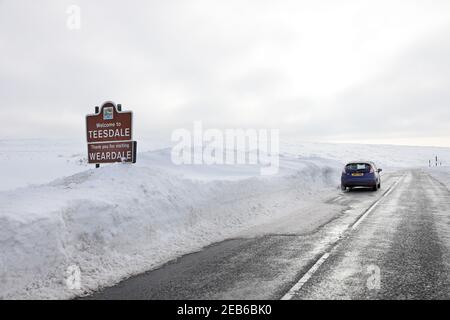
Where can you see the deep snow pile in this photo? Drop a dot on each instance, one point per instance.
(122, 219)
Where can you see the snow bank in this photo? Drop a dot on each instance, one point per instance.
(121, 220)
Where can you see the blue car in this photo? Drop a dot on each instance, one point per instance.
(361, 174)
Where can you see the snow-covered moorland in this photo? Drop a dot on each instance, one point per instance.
(120, 220)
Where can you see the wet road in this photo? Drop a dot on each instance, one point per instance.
(399, 249)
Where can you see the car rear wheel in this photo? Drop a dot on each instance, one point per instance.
(375, 188)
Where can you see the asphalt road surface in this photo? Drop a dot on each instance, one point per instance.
(390, 244)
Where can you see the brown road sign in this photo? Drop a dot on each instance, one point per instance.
(109, 125)
(109, 133)
(107, 152)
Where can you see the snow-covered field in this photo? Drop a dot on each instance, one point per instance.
(119, 220)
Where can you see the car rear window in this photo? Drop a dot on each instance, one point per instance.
(363, 167)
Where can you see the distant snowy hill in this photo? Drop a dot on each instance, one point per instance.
(41, 161)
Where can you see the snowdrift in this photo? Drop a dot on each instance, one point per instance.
(121, 220)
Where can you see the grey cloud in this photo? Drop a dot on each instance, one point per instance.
(410, 99)
(230, 64)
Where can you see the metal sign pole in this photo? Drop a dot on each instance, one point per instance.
(97, 110)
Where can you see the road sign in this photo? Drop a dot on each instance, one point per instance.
(109, 135)
(107, 152)
(109, 125)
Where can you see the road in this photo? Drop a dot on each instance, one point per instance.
(390, 244)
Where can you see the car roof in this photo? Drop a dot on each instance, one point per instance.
(361, 161)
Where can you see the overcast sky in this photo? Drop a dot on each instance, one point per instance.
(347, 71)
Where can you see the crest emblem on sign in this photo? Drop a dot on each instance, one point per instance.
(108, 113)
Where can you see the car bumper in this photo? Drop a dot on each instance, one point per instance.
(359, 183)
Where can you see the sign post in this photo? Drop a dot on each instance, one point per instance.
(109, 135)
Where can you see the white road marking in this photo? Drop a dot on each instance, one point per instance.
(296, 288)
(374, 205)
